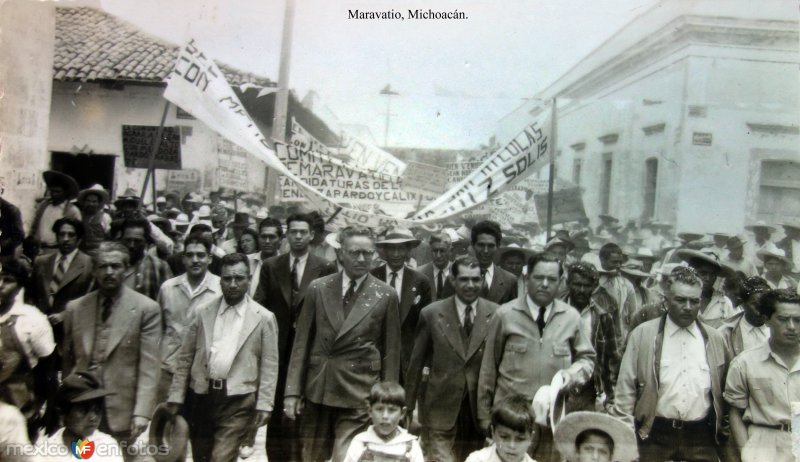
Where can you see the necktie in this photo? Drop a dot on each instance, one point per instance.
(58, 275)
(540, 321)
(439, 283)
(468, 320)
(348, 297)
(107, 303)
(393, 281)
(484, 285)
(295, 283)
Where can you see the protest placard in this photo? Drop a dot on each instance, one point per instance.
(567, 206)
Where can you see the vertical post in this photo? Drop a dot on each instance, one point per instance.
(551, 181)
(282, 96)
(155, 196)
(388, 114)
(151, 162)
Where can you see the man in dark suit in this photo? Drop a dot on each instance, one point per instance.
(65, 275)
(411, 286)
(498, 286)
(282, 286)
(348, 338)
(117, 332)
(438, 270)
(450, 339)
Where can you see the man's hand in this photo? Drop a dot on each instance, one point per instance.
(138, 425)
(261, 418)
(173, 408)
(55, 319)
(569, 380)
(292, 407)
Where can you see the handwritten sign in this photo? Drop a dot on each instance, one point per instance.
(425, 178)
(137, 145)
(567, 206)
(232, 170)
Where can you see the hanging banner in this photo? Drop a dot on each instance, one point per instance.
(364, 155)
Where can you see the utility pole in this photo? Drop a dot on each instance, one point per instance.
(389, 93)
(282, 96)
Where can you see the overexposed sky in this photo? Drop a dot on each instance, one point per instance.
(456, 78)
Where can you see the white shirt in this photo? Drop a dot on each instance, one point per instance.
(33, 331)
(227, 328)
(461, 310)
(436, 272)
(398, 285)
(489, 275)
(346, 282)
(67, 260)
(255, 271)
(534, 309)
(684, 375)
(753, 336)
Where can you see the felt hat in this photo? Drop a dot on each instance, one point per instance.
(691, 256)
(575, 423)
(689, 236)
(169, 433)
(97, 190)
(735, 242)
(606, 218)
(81, 386)
(512, 248)
(240, 220)
(398, 236)
(54, 178)
(760, 224)
(129, 196)
(634, 268)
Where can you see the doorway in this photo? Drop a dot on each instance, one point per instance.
(87, 169)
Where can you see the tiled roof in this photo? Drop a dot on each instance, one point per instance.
(93, 45)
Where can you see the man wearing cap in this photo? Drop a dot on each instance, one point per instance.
(736, 258)
(80, 402)
(620, 289)
(227, 367)
(530, 340)
(438, 269)
(96, 222)
(764, 381)
(445, 363)
(747, 329)
(348, 338)
(776, 265)
(282, 285)
(671, 379)
(27, 372)
(412, 287)
(61, 189)
(499, 286)
(715, 307)
(146, 272)
(116, 332)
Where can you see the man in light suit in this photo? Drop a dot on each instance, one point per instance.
(282, 287)
(450, 339)
(227, 367)
(348, 338)
(65, 275)
(413, 288)
(499, 286)
(116, 332)
(438, 270)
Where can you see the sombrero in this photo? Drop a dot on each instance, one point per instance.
(773, 252)
(575, 423)
(689, 236)
(169, 433)
(689, 256)
(512, 248)
(398, 236)
(792, 223)
(760, 224)
(97, 190)
(634, 268)
(54, 178)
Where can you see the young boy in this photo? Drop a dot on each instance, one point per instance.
(385, 440)
(512, 431)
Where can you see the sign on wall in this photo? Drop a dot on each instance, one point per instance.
(567, 206)
(137, 144)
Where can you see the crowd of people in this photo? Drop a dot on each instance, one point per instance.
(461, 341)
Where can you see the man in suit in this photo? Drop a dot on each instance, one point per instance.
(116, 331)
(448, 347)
(62, 276)
(282, 286)
(227, 367)
(532, 339)
(438, 270)
(499, 286)
(411, 286)
(348, 338)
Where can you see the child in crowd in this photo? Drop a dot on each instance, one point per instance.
(512, 432)
(385, 440)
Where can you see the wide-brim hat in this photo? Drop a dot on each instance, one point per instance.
(97, 190)
(240, 220)
(129, 196)
(722, 235)
(559, 240)
(575, 423)
(643, 252)
(773, 252)
(54, 178)
(80, 387)
(690, 255)
(170, 433)
(608, 218)
(760, 224)
(689, 236)
(792, 223)
(399, 236)
(634, 268)
(512, 248)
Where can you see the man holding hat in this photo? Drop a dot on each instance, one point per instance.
(61, 188)
(715, 307)
(96, 222)
(412, 287)
(80, 402)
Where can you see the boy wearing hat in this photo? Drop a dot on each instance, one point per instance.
(595, 437)
(61, 189)
(80, 401)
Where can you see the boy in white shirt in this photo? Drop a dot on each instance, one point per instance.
(512, 431)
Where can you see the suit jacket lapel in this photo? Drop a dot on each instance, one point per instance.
(451, 326)
(75, 269)
(366, 297)
(498, 284)
(283, 276)
(310, 273)
(85, 319)
(47, 271)
(332, 302)
(120, 321)
(406, 294)
(208, 317)
(251, 320)
(479, 327)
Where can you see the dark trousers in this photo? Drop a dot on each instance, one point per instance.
(217, 424)
(690, 441)
(283, 436)
(326, 431)
(457, 443)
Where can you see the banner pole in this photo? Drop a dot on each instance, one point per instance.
(152, 160)
(551, 180)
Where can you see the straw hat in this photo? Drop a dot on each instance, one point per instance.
(170, 433)
(97, 190)
(760, 224)
(54, 178)
(692, 256)
(575, 423)
(771, 251)
(398, 236)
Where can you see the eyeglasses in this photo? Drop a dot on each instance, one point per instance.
(354, 254)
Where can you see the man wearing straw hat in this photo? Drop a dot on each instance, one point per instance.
(736, 258)
(715, 307)
(61, 188)
(776, 266)
(96, 222)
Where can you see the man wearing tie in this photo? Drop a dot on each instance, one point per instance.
(438, 270)
(284, 280)
(413, 288)
(449, 345)
(498, 286)
(348, 338)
